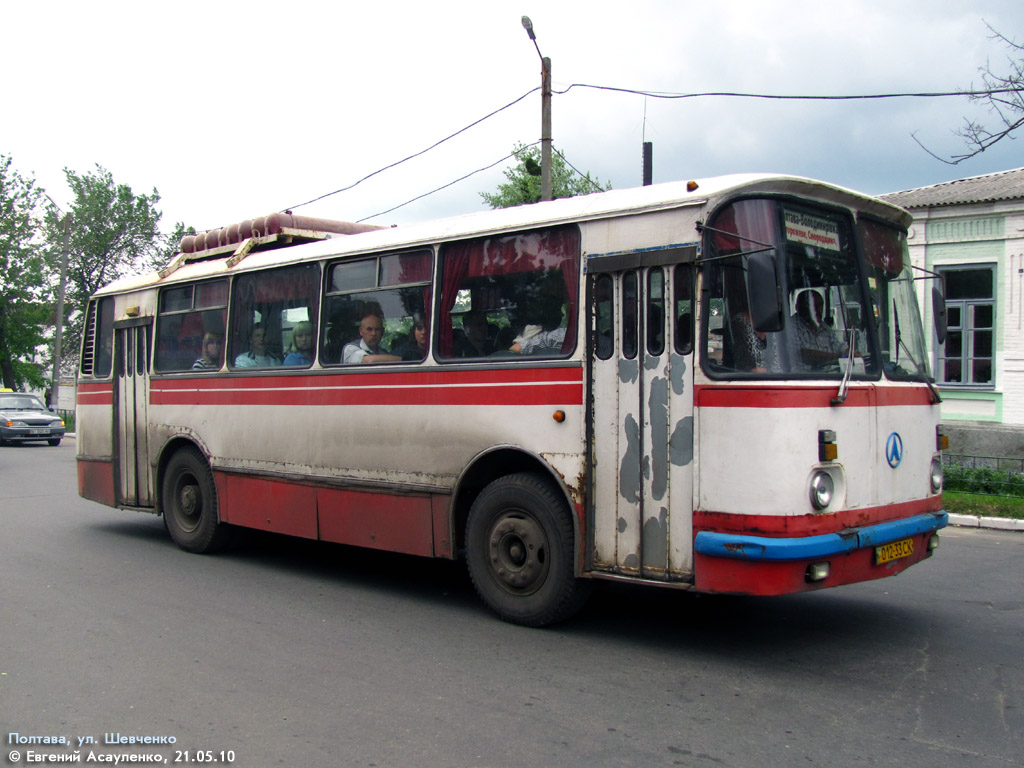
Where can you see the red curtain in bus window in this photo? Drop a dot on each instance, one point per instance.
(456, 257)
(883, 247)
(753, 219)
(571, 275)
(401, 268)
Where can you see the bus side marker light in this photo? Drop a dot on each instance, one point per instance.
(691, 186)
(941, 440)
(558, 416)
(817, 572)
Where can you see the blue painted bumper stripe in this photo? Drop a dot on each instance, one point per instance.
(766, 548)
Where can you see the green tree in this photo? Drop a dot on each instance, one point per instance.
(523, 185)
(169, 248)
(114, 233)
(25, 285)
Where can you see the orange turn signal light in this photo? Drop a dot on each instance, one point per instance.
(828, 450)
(558, 416)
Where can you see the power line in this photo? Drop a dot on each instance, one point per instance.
(646, 93)
(417, 154)
(790, 97)
(585, 176)
(456, 181)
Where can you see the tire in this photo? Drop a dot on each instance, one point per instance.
(189, 503)
(520, 554)
(54, 441)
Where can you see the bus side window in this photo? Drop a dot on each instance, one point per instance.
(187, 315)
(604, 317)
(266, 308)
(97, 352)
(630, 317)
(655, 312)
(683, 293)
(509, 296)
(391, 291)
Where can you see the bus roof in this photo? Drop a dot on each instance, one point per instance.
(582, 208)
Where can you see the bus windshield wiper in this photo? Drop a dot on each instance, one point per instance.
(840, 397)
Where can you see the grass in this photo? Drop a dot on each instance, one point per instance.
(981, 504)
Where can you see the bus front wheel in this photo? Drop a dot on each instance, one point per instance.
(519, 550)
(189, 502)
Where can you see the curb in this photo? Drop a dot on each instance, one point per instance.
(977, 521)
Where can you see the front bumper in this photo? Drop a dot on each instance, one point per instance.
(763, 565)
(27, 434)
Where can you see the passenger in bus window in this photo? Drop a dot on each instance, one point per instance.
(476, 340)
(258, 355)
(369, 348)
(544, 338)
(213, 345)
(301, 350)
(414, 346)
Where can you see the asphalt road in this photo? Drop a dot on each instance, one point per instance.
(289, 653)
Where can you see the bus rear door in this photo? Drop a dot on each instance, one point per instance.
(133, 476)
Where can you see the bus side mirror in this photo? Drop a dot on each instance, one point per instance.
(763, 293)
(939, 313)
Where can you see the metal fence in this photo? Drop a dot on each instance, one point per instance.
(994, 462)
(989, 475)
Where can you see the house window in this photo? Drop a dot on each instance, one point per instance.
(966, 357)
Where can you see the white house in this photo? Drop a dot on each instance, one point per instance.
(971, 231)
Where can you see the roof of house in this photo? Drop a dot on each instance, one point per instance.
(1005, 185)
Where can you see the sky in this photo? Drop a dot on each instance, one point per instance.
(233, 110)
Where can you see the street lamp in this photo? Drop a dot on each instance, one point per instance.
(545, 114)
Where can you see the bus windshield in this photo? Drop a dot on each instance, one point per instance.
(894, 302)
(820, 328)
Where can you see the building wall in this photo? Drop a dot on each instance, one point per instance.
(981, 233)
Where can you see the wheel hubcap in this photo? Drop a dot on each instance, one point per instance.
(190, 503)
(518, 553)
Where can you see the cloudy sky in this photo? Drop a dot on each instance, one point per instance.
(237, 109)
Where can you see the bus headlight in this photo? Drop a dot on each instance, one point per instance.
(822, 490)
(936, 474)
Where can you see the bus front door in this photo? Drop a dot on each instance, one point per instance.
(641, 461)
(133, 475)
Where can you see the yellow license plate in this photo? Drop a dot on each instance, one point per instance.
(894, 550)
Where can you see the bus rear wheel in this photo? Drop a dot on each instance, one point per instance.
(519, 551)
(189, 502)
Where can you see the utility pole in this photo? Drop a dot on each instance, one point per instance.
(545, 114)
(59, 322)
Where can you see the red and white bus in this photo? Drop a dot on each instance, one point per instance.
(718, 386)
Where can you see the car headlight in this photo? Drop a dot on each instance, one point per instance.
(936, 474)
(822, 490)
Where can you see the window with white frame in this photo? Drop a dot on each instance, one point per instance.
(966, 357)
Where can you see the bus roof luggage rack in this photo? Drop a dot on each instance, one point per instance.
(277, 230)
